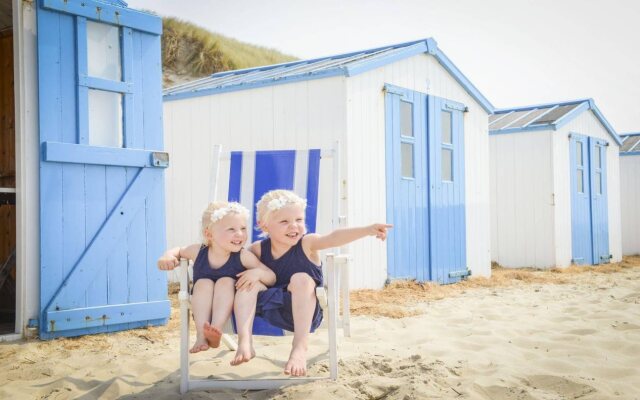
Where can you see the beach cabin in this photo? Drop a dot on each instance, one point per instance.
(630, 192)
(81, 172)
(555, 186)
(413, 139)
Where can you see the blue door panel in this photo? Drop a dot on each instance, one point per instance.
(580, 200)
(448, 228)
(406, 196)
(589, 214)
(428, 241)
(96, 258)
(600, 219)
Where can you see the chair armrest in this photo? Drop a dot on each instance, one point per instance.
(341, 260)
(183, 295)
(321, 295)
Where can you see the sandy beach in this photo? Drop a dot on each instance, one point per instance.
(569, 334)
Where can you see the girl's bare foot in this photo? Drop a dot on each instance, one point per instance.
(200, 345)
(244, 354)
(297, 364)
(212, 335)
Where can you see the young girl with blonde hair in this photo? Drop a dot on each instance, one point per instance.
(294, 257)
(221, 265)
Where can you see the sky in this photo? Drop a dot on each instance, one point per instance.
(516, 52)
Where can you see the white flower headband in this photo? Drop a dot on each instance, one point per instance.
(220, 213)
(279, 202)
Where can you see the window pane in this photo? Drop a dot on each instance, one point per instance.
(406, 118)
(596, 157)
(103, 51)
(446, 127)
(447, 165)
(579, 181)
(598, 182)
(407, 159)
(579, 153)
(105, 118)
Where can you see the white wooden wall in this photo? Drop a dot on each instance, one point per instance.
(630, 203)
(366, 165)
(522, 210)
(309, 114)
(585, 124)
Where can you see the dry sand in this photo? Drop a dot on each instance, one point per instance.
(566, 334)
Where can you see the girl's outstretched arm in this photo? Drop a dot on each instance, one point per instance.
(340, 237)
(171, 258)
(255, 272)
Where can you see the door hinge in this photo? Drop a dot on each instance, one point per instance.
(160, 159)
(460, 274)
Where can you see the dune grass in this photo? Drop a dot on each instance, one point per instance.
(190, 52)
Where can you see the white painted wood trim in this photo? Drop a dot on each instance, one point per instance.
(27, 167)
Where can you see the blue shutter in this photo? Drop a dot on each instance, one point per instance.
(407, 187)
(101, 208)
(599, 210)
(581, 245)
(447, 229)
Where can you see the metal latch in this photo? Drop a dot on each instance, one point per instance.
(160, 159)
(459, 274)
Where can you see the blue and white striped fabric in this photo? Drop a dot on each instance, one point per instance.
(252, 174)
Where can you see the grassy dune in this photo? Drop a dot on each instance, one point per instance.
(190, 52)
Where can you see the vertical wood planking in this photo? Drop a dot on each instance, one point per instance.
(154, 236)
(51, 129)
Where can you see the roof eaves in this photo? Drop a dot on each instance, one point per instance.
(463, 80)
(530, 128)
(571, 115)
(589, 104)
(604, 122)
(526, 108)
(402, 53)
(255, 84)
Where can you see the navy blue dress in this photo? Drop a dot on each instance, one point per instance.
(274, 304)
(203, 270)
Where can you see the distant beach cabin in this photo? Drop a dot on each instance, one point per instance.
(555, 186)
(81, 172)
(413, 134)
(630, 192)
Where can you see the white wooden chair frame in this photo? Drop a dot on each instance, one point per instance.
(336, 279)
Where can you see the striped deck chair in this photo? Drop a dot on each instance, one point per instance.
(251, 174)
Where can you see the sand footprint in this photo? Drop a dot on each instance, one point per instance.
(504, 393)
(566, 388)
(624, 326)
(581, 332)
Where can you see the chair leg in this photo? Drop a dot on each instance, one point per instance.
(344, 288)
(184, 327)
(230, 342)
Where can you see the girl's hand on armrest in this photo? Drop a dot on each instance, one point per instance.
(168, 262)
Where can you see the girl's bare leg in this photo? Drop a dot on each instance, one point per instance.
(303, 299)
(201, 308)
(221, 306)
(245, 312)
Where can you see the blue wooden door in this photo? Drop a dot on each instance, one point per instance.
(447, 228)
(581, 251)
(101, 176)
(599, 210)
(589, 216)
(406, 182)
